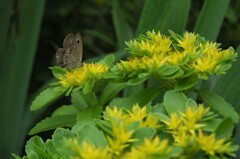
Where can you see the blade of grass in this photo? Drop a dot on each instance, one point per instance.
(211, 18)
(16, 73)
(163, 16)
(122, 29)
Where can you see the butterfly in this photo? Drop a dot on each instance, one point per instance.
(70, 56)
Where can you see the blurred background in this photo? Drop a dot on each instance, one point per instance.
(31, 31)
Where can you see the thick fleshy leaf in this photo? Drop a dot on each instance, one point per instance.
(65, 110)
(174, 101)
(143, 133)
(47, 96)
(136, 81)
(81, 100)
(87, 87)
(186, 83)
(57, 71)
(108, 60)
(53, 122)
(36, 147)
(89, 113)
(169, 72)
(219, 104)
(211, 125)
(110, 91)
(59, 139)
(89, 132)
(225, 129)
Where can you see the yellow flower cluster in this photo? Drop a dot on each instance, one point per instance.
(190, 52)
(87, 150)
(79, 76)
(149, 149)
(186, 129)
(121, 136)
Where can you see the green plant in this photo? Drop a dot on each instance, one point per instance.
(165, 15)
(154, 122)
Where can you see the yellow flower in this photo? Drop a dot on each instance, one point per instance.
(79, 76)
(176, 58)
(114, 113)
(192, 115)
(149, 148)
(162, 43)
(88, 151)
(185, 139)
(131, 65)
(121, 138)
(188, 42)
(95, 69)
(137, 113)
(151, 122)
(211, 145)
(174, 121)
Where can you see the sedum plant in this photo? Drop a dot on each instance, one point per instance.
(159, 120)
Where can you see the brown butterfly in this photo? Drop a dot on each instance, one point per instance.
(70, 56)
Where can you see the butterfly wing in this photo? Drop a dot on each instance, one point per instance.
(59, 57)
(70, 55)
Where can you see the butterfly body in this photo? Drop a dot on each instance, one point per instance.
(70, 56)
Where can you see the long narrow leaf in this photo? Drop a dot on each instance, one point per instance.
(164, 15)
(211, 18)
(15, 73)
(53, 122)
(122, 29)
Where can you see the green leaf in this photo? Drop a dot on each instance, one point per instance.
(169, 72)
(136, 81)
(186, 83)
(19, 38)
(110, 91)
(122, 29)
(82, 101)
(164, 15)
(32, 143)
(50, 148)
(87, 87)
(191, 103)
(58, 71)
(59, 139)
(36, 148)
(47, 96)
(143, 133)
(142, 98)
(211, 18)
(53, 122)
(90, 133)
(211, 125)
(219, 104)
(174, 101)
(225, 129)
(130, 90)
(89, 113)
(65, 110)
(108, 60)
